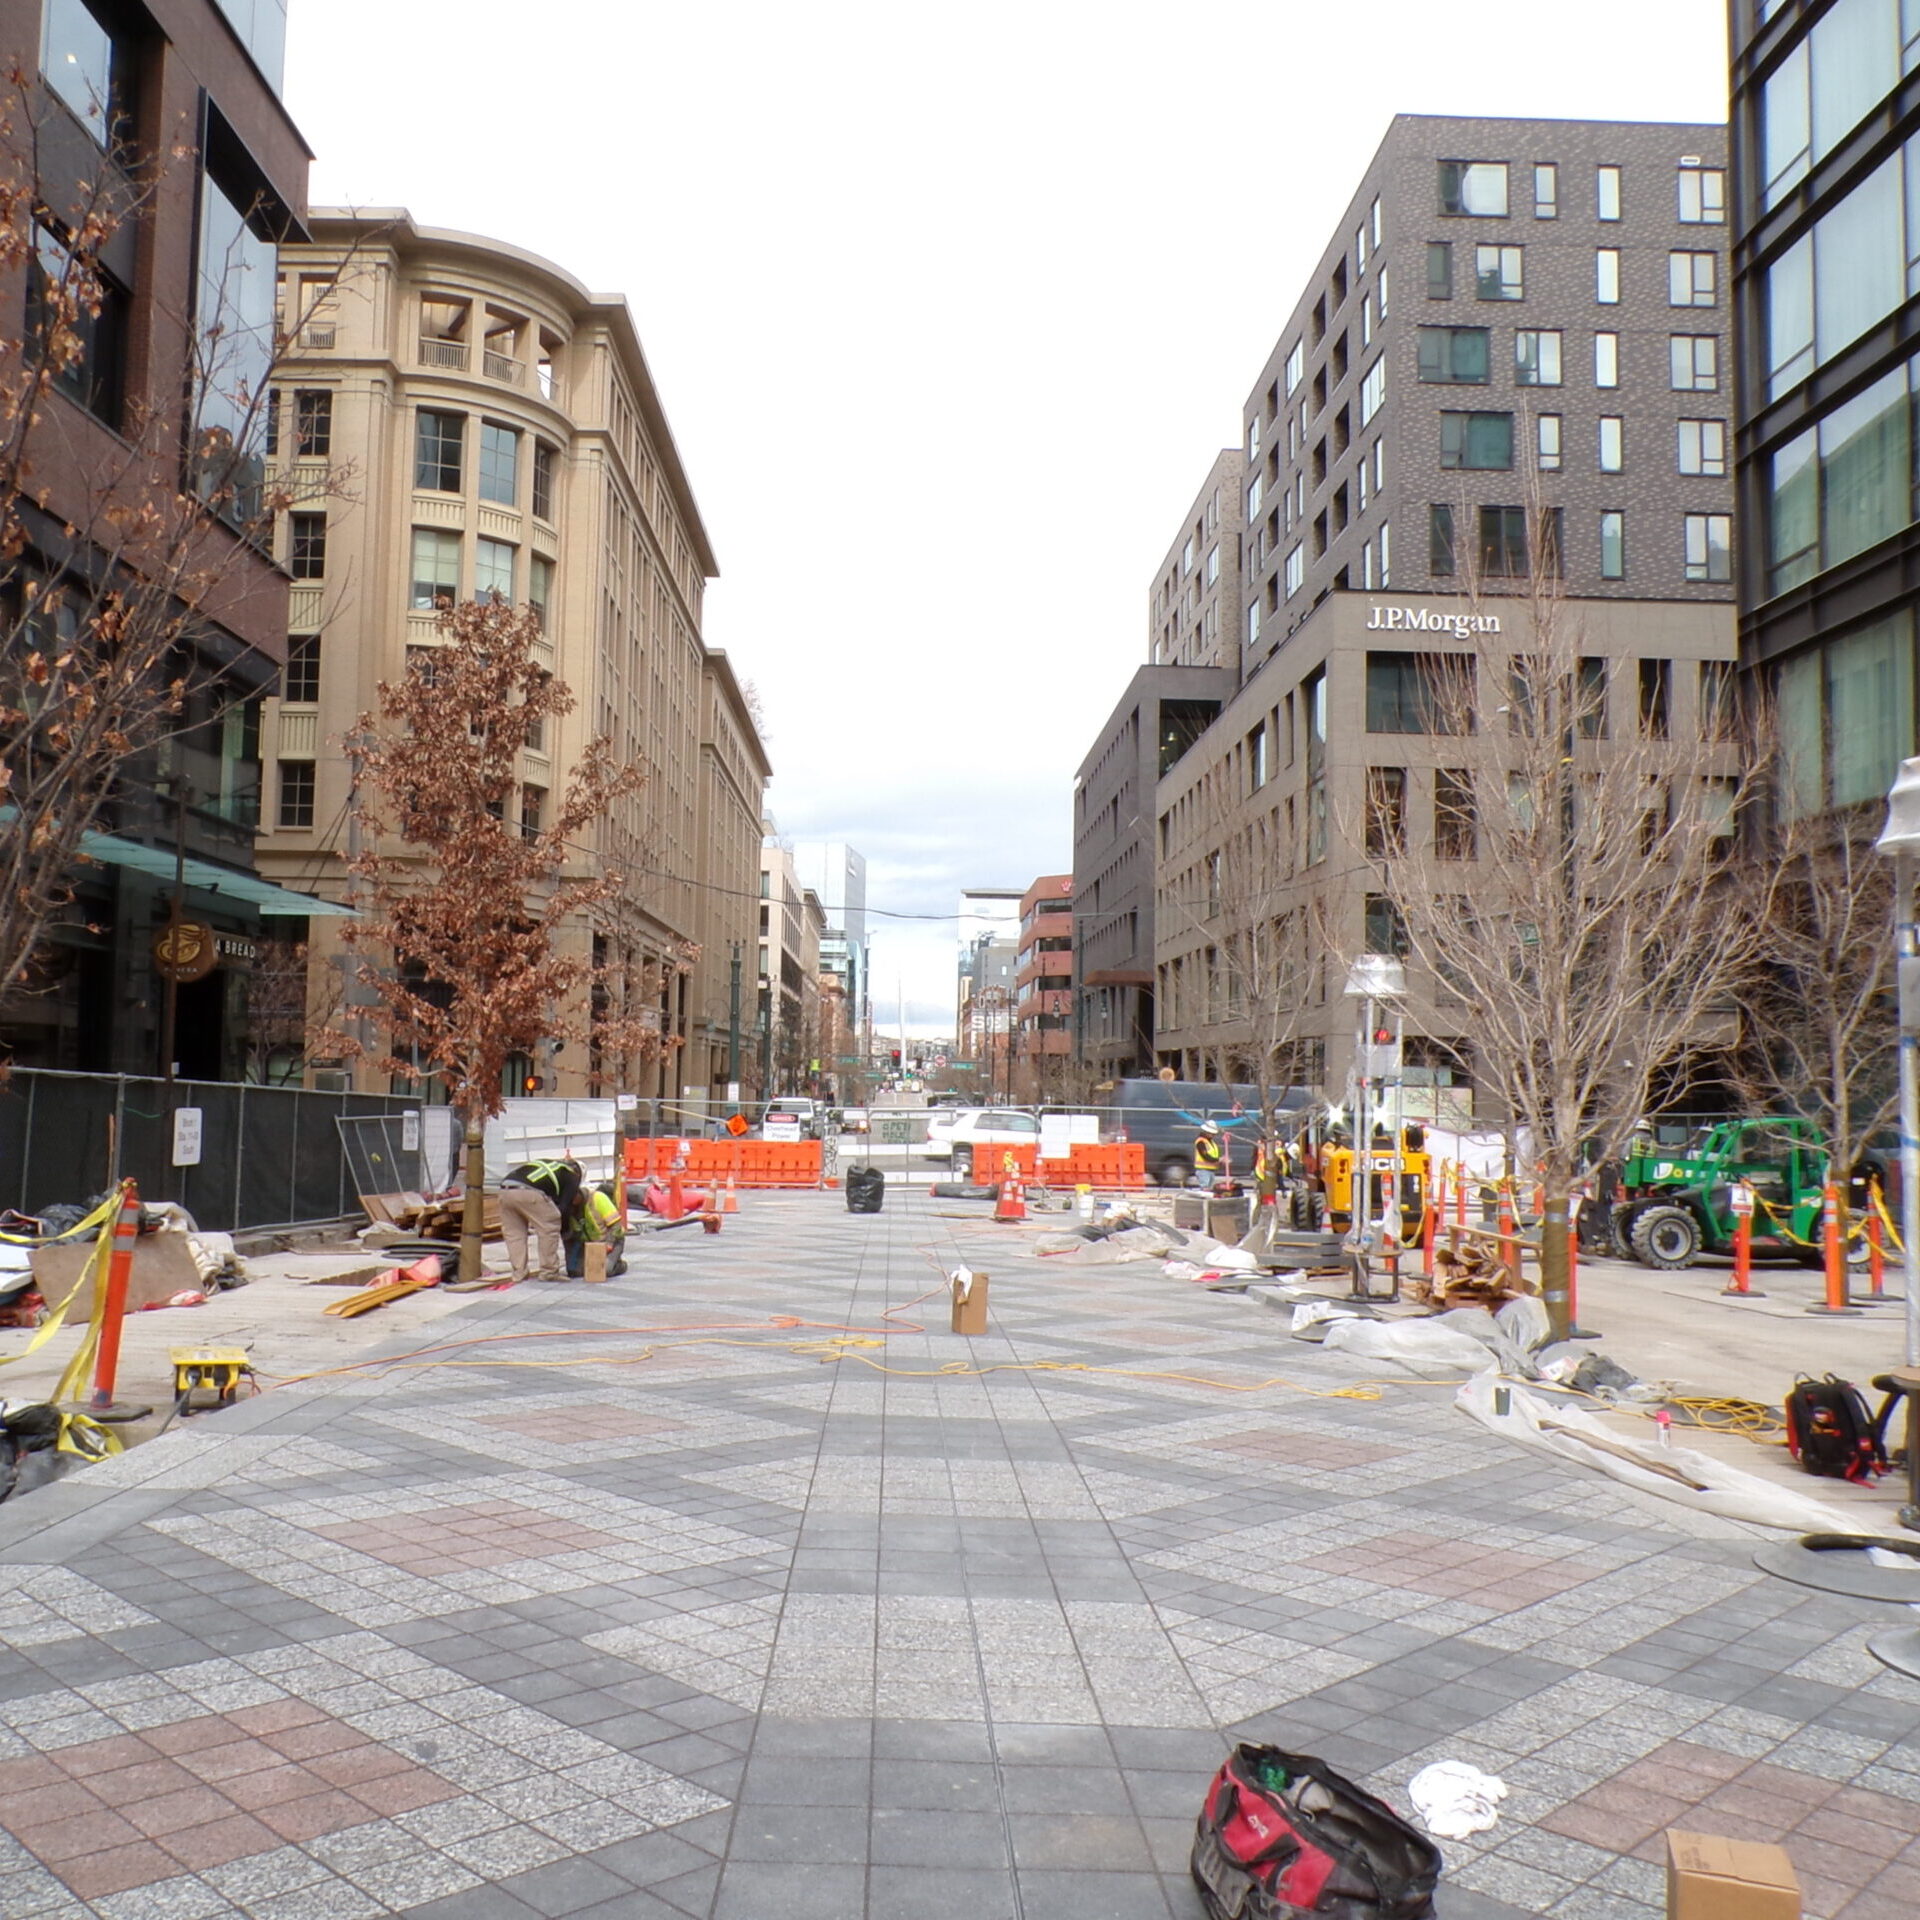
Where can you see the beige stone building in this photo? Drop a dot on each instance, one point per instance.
(502, 433)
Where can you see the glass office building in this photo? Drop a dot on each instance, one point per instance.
(1826, 215)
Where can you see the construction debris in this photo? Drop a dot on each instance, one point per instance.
(399, 1283)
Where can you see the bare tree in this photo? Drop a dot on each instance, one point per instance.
(463, 896)
(1820, 1034)
(1575, 896)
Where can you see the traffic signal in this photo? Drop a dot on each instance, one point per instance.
(896, 1056)
(530, 1083)
(1383, 1036)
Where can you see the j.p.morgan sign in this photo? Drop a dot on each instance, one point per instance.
(1427, 620)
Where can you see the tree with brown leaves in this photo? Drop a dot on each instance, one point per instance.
(470, 935)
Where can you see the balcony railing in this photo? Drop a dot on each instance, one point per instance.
(317, 339)
(501, 366)
(435, 352)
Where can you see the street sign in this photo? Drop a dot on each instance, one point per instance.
(626, 1103)
(186, 1136)
(961, 1066)
(737, 1125)
(410, 1132)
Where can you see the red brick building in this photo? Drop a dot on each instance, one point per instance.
(1043, 988)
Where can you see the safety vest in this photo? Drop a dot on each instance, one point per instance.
(600, 1219)
(1206, 1150)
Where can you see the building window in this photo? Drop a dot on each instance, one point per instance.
(82, 64)
(1454, 356)
(1823, 89)
(540, 586)
(1692, 279)
(1476, 441)
(1606, 359)
(1846, 716)
(62, 292)
(1656, 698)
(1606, 193)
(499, 463)
(1296, 365)
(544, 458)
(1313, 701)
(436, 567)
(1606, 276)
(1716, 699)
(1831, 285)
(1612, 440)
(1497, 273)
(1386, 567)
(296, 793)
(1839, 489)
(1613, 544)
(1546, 192)
(1546, 442)
(1702, 447)
(1455, 821)
(307, 546)
(1253, 624)
(1536, 357)
(533, 810)
(1213, 563)
(1440, 539)
(439, 446)
(1296, 569)
(1386, 812)
(1439, 269)
(1503, 542)
(312, 423)
(1417, 692)
(1591, 698)
(1709, 546)
(1380, 288)
(1702, 194)
(1473, 187)
(1256, 492)
(1373, 390)
(1695, 362)
(492, 569)
(300, 683)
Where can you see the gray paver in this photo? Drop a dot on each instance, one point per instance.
(735, 1632)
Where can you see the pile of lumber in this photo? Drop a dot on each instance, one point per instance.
(429, 1219)
(1470, 1277)
(395, 1284)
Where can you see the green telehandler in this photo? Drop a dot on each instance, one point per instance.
(1675, 1203)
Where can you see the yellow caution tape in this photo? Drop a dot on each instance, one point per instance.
(104, 1211)
(51, 1325)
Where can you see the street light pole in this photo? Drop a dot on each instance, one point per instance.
(1901, 839)
(733, 1027)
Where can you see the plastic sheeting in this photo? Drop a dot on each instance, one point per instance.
(1674, 1473)
(1421, 1346)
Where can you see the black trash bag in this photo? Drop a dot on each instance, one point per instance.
(866, 1188)
(60, 1219)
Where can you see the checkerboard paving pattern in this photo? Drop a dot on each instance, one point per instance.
(735, 1630)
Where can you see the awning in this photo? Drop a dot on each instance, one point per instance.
(244, 889)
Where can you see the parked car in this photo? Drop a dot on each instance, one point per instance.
(854, 1120)
(956, 1134)
(809, 1115)
(1164, 1115)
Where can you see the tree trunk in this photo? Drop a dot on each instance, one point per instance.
(1555, 1277)
(473, 1212)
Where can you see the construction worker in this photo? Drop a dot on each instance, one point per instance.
(595, 1217)
(1209, 1153)
(537, 1198)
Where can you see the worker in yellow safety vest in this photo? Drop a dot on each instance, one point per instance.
(1208, 1154)
(596, 1216)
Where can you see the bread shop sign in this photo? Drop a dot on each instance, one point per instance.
(1458, 626)
(189, 950)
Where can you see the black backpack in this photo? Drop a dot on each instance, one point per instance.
(1831, 1433)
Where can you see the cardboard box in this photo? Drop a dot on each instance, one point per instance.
(1713, 1879)
(162, 1267)
(969, 1301)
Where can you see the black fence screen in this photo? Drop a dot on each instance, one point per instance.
(269, 1156)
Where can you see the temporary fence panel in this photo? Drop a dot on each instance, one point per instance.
(269, 1156)
(383, 1152)
(748, 1163)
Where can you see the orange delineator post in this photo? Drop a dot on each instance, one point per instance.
(1573, 1268)
(1429, 1224)
(106, 1362)
(1742, 1281)
(1459, 1193)
(1876, 1254)
(1832, 1255)
(1509, 1252)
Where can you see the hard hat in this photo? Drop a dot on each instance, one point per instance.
(1209, 1126)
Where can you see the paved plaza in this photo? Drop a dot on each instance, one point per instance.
(576, 1614)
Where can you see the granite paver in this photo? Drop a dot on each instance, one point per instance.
(713, 1593)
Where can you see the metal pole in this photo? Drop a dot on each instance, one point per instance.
(1908, 961)
(170, 998)
(733, 1021)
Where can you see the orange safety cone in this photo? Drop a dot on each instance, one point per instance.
(1012, 1201)
(676, 1197)
(730, 1199)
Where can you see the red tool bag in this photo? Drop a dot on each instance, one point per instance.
(1282, 1837)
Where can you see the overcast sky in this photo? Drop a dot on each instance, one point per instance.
(950, 309)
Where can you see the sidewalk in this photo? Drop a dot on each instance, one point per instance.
(579, 1622)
